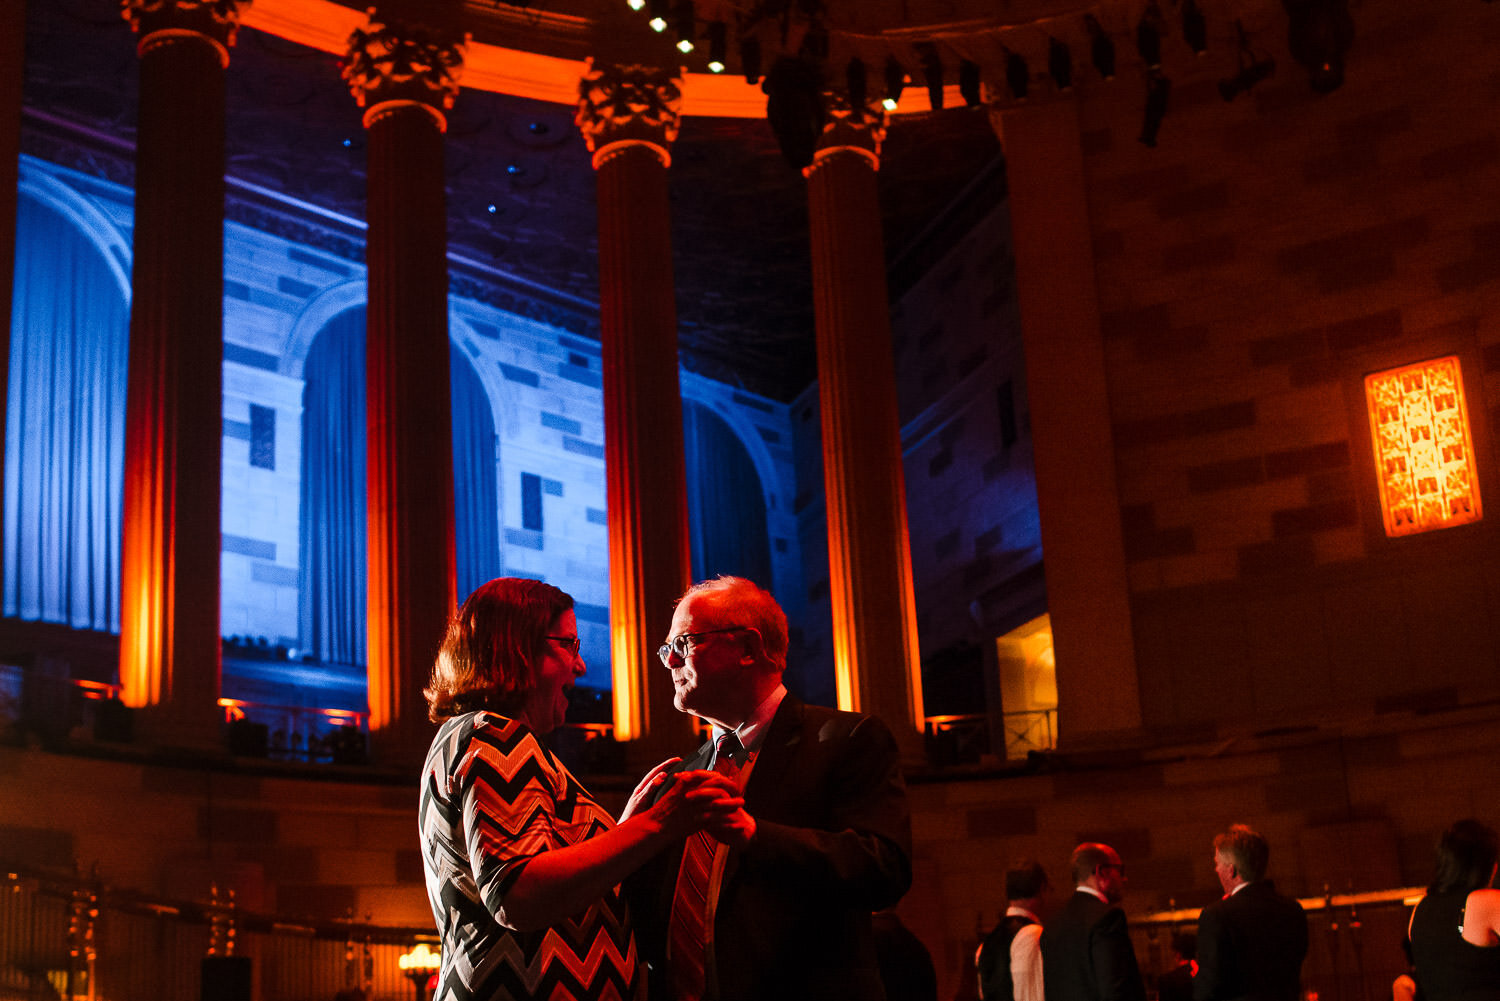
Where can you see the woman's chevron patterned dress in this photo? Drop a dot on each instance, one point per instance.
(494, 797)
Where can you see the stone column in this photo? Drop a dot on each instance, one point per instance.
(1087, 589)
(628, 116)
(405, 75)
(878, 669)
(169, 565)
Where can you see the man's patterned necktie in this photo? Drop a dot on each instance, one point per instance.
(690, 902)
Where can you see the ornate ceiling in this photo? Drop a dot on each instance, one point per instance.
(521, 189)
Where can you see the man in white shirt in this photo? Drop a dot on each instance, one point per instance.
(1010, 960)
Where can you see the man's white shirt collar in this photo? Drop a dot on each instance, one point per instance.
(1021, 912)
(1093, 892)
(752, 732)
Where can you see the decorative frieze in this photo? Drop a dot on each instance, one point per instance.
(860, 128)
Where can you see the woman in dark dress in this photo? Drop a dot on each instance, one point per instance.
(1455, 928)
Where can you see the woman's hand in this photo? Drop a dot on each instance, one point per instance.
(646, 788)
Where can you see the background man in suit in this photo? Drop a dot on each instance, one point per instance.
(1010, 960)
(1086, 950)
(1250, 944)
(783, 907)
(1177, 983)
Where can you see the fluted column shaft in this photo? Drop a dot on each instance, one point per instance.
(169, 566)
(650, 559)
(408, 409)
(1078, 498)
(408, 424)
(869, 558)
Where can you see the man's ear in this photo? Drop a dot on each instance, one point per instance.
(755, 647)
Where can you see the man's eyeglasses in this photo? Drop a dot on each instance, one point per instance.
(682, 644)
(568, 643)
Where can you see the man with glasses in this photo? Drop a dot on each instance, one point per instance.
(1086, 950)
(776, 904)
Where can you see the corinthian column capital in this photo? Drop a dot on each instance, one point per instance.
(401, 63)
(161, 21)
(621, 106)
(860, 129)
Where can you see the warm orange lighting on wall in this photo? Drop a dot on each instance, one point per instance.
(1424, 458)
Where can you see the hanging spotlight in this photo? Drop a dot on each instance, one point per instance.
(685, 24)
(932, 73)
(659, 10)
(1148, 37)
(718, 41)
(814, 43)
(750, 58)
(636, 4)
(1194, 27)
(794, 108)
(895, 83)
(1251, 69)
(1017, 74)
(1157, 89)
(1101, 47)
(968, 83)
(856, 82)
(1060, 64)
(1319, 33)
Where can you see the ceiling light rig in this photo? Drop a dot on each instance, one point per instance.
(766, 32)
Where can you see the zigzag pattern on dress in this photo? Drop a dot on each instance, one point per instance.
(492, 794)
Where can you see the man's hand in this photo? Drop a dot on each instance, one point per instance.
(696, 800)
(734, 828)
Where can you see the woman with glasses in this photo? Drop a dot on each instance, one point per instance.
(522, 864)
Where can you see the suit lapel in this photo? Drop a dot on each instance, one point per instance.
(777, 752)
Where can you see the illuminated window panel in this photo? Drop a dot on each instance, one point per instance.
(1424, 458)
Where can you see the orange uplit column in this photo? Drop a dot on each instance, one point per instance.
(876, 663)
(405, 75)
(169, 563)
(628, 116)
(1077, 497)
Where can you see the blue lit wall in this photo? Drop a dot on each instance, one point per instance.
(538, 386)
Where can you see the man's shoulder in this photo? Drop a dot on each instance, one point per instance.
(828, 721)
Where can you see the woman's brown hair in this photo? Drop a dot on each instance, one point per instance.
(488, 658)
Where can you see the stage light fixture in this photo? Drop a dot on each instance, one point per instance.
(932, 73)
(1319, 33)
(1060, 64)
(1101, 47)
(659, 10)
(750, 58)
(1148, 37)
(718, 43)
(794, 108)
(856, 80)
(685, 24)
(1157, 89)
(968, 83)
(658, 24)
(1194, 27)
(1250, 69)
(1017, 74)
(895, 83)
(636, 4)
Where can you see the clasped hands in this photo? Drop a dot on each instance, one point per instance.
(693, 800)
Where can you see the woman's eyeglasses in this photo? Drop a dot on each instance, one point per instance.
(568, 643)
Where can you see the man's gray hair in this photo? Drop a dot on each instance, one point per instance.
(746, 603)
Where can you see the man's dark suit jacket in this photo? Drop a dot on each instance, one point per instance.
(832, 844)
(1251, 945)
(1087, 955)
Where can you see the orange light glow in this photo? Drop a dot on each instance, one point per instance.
(628, 702)
(1424, 459)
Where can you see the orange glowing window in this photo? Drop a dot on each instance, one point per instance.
(1423, 456)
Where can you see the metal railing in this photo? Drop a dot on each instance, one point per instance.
(75, 938)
